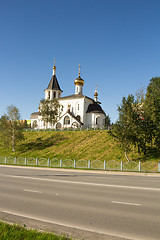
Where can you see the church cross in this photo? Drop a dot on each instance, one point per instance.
(79, 69)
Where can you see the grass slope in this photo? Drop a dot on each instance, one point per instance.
(9, 232)
(88, 145)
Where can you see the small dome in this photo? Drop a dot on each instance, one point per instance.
(94, 107)
(96, 94)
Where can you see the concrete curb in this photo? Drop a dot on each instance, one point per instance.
(87, 171)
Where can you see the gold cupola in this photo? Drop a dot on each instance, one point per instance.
(79, 82)
(95, 95)
(54, 67)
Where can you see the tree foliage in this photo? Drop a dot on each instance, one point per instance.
(124, 128)
(11, 129)
(138, 124)
(50, 110)
(107, 121)
(152, 107)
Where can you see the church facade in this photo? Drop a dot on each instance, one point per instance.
(79, 111)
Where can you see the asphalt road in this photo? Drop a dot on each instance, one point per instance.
(82, 204)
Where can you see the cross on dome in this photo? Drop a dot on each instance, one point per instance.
(79, 70)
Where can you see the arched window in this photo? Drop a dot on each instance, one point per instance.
(67, 120)
(59, 94)
(74, 125)
(35, 124)
(54, 94)
(98, 120)
(58, 125)
(78, 118)
(49, 95)
(78, 107)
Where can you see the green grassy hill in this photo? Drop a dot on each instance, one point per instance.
(67, 144)
(88, 145)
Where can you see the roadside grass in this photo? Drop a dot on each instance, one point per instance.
(87, 145)
(9, 232)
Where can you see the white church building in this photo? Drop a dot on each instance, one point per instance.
(79, 111)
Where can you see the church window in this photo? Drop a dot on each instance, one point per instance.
(49, 95)
(97, 120)
(35, 124)
(59, 94)
(78, 106)
(67, 120)
(54, 94)
(78, 118)
(58, 125)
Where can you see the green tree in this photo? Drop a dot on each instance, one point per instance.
(25, 124)
(50, 110)
(107, 121)
(143, 124)
(124, 128)
(11, 129)
(152, 107)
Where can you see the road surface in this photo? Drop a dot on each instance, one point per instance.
(81, 204)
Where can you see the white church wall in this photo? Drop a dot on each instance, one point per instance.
(98, 120)
(94, 120)
(75, 106)
(87, 116)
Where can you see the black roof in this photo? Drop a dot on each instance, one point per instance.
(53, 84)
(94, 108)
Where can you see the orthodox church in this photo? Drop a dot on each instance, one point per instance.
(79, 111)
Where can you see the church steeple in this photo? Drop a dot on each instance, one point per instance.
(79, 82)
(53, 90)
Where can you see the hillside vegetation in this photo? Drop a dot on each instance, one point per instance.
(88, 145)
(8, 231)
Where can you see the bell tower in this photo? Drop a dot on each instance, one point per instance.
(53, 90)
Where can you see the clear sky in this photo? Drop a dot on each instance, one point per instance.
(117, 43)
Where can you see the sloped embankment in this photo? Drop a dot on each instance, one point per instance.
(67, 144)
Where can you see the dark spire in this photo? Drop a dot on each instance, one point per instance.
(53, 84)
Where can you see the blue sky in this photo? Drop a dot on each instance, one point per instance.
(117, 43)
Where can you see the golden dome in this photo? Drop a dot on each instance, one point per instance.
(54, 67)
(79, 81)
(95, 94)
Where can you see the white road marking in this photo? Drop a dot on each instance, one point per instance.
(28, 190)
(127, 203)
(82, 183)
